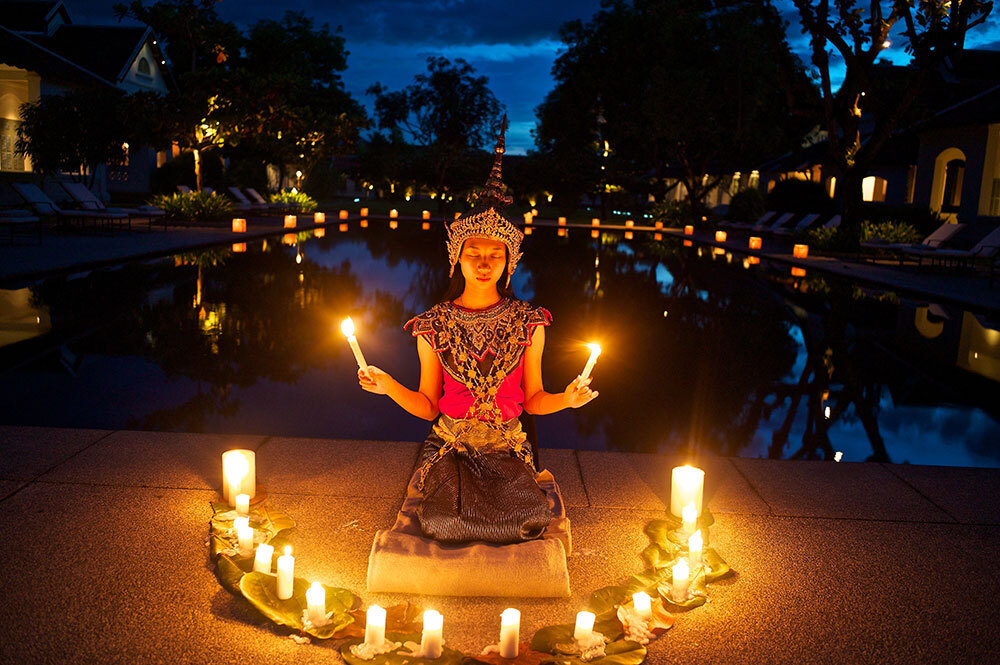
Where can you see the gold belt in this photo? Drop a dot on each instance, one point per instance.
(476, 437)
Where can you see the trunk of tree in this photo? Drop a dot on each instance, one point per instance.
(197, 170)
(849, 184)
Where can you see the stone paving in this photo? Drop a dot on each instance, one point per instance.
(103, 533)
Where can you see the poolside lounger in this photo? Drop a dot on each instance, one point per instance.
(87, 201)
(803, 224)
(987, 248)
(776, 225)
(936, 239)
(16, 219)
(242, 202)
(255, 197)
(45, 207)
(833, 223)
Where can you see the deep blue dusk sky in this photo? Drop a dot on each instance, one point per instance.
(514, 42)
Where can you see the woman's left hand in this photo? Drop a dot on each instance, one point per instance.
(578, 392)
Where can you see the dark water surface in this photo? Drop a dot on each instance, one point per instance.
(700, 351)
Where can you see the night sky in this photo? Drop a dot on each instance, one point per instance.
(514, 42)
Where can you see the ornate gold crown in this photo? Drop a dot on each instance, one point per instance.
(486, 219)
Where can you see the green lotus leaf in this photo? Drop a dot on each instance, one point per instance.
(448, 656)
(715, 566)
(217, 545)
(230, 571)
(657, 556)
(559, 639)
(697, 594)
(621, 652)
(261, 590)
(606, 599)
(646, 580)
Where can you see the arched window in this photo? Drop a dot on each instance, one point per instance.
(954, 173)
(143, 67)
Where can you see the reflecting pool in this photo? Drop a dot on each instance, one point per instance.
(700, 350)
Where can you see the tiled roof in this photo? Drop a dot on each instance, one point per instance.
(104, 50)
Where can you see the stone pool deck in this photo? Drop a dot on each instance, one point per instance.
(102, 538)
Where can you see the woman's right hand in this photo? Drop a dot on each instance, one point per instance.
(374, 380)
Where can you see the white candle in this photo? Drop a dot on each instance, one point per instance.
(347, 326)
(687, 484)
(431, 641)
(643, 604)
(595, 350)
(244, 534)
(239, 474)
(242, 505)
(286, 574)
(375, 626)
(584, 626)
(316, 604)
(679, 590)
(690, 518)
(262, 562)
(510, 632)
(695, 547)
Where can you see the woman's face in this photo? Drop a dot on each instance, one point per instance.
(482, 261)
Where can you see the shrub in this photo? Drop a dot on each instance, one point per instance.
(896, 232)
(196, 206)
(921, 218)
(803, 196)
(831, 240)
(675, 214)
(297, 200)
(746, 206)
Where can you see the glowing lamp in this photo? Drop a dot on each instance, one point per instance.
(239, 474)
(756, 242)
(363, 224)
(426, 226)
(239, 247)
(561, 221)
(426, 214)
(658, 225)
(343, 214)
(562, 233)
(657, 236)
(629, 222)
(527, 231)
(720, 236)
(688, 243)
(239, 225)
(288, 239)
(798, 272)
(534, 212)
(364, 212)
(689, 230)
(527, 218)
(595, 234)
(290, 221)
(319, 233)
(629, 235)
(718, 251)
(800, 251)
(596, 221)
(319, 217)
(753, 260)
(393, 214)
(687, 485)
(343, 227)
(393, 224)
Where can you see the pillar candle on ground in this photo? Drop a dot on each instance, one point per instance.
(510, 632)
(239, 474)
(347, 326)
(595, 350)
(244, 535)
(375, 626)
(286, 574)
(686, 485)
(695, 547)
(679, 588)
(262, 561)
(690, 518)
(316, 604)
(242, 505)
(584, 626)
(643, 604)
(431, 641)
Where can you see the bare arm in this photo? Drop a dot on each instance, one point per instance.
(423, 402)
(536, 400)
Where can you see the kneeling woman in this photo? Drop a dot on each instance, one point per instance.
(480, 364)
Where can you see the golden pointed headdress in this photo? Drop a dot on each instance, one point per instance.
(486, 219)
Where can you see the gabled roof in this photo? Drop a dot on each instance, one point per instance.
(19, 51)
(30, 15)
(106, 50)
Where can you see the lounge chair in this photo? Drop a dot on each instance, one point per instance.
(833, 223)
(741, 225)
(803, 224)
(17, 219)
(986, 249)
(43, 206)
(255, 197)
(777, 224)
(244, 204)
(935, 240)
(87, 201)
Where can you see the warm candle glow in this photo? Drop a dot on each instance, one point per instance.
(527, 218)
(343, 214)
(562, 233)
(286, 574)
(426, 226)
(596, 221)
(686, 486)
(239, 225)
(242, 505)
(690, 517)
(363, 212)
(720, 236)
(658, 225)
(375, 626)
(800, 251)
(561, 221)
(319, 217)
(343, 228)
(629, 235)
(316, 604)
(393, 214)
(657, 236)
(753, 260)
(595, 234)
(688, 243)
(695, 547)
(364, 223)
(689, 230)
(426, 214)
(643, 604)
(239, 247)
(319, 233)
(584, 626)
(510, 629)
(595, 351)
(629, 222)
(262, 562)
(798, 272)
(238, 474)
(679, 588)
(755, 242)
(244, 535)
(290, 221)
(431, 641)
(393, 224)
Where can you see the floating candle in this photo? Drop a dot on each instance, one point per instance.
(643, 604)
(347, 326)
(262, 561)
(686, 485)
(595, 350)
(584, 626)
(679, 588)
(286, 574)
(316, 604)
(375, 626)
(510, 632)
(431, 640)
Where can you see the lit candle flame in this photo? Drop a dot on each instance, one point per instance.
(594, 348)
(347, 326)
(288, 550)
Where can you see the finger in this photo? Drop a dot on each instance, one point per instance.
(587, 382)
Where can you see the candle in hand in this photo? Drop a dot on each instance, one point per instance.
(643, 605)
(584, 626)
(316, 604)
(695, 547)
(431, 641)
(510, 629)
(679, 590)
(375, 626)
(286, 574)
(347, 326)
(262, 562)
(242, 505)
(244, 535)
(595, 350)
